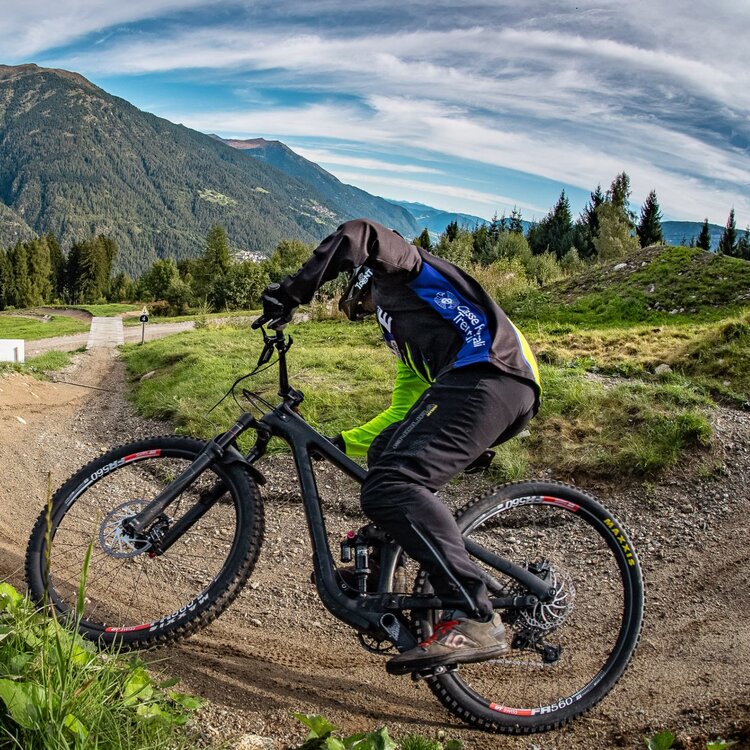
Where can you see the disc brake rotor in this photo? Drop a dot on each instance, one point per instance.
(115, 541)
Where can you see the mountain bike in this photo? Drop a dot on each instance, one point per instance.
(169, 529)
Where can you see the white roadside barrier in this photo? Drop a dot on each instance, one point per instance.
(12, 350)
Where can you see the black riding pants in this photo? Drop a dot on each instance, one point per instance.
(455, 420)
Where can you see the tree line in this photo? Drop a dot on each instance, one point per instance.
(38, 272)
(607, 228)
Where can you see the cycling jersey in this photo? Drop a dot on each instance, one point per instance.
(434, 316)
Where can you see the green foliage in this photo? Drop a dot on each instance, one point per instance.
(662, 741)
(459, 250)
(155, 283)
(424, 240)
(287, 258)
(58, 692)
(240, 288)
(587, 226)
(554, 233)
(35, 328)
(614, 239)
(321, 737)
(704, 239)
(505, 280)
(728, 241)
(649, 227)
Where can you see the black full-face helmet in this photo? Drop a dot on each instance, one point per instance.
(356, 301)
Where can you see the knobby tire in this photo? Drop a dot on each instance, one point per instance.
(85, 510)
(567, 510)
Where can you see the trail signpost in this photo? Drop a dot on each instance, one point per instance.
(144, 320)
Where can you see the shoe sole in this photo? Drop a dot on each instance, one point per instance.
(470, 657)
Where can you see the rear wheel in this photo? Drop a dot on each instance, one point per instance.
(132, 595)
(567, 654)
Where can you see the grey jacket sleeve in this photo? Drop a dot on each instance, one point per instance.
(355, 243)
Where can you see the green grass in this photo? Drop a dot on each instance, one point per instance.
(12, 327)
(713, 356)
(586, 425)
(39, 365)
(343, 374)
(700, 286)
(57, 691)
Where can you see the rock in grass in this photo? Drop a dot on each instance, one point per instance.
(148, 375)
(662, 369)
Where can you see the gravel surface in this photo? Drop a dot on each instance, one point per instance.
(277, 650)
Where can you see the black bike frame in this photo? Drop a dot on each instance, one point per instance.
(378, 614)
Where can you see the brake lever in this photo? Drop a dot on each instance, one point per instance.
(266, 354)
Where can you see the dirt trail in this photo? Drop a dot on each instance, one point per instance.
(276, 650)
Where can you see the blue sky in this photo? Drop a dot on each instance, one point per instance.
(467, 106)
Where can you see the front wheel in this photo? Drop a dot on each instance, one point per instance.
(133, 595)
(568, 653)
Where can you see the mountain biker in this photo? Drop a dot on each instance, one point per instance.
(466, 379)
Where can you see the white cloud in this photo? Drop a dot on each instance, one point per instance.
(323, 157)
(490, 201)
(32, 27)
(546, 87)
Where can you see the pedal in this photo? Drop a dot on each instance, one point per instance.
(419, 674)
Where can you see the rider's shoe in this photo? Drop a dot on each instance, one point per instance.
(458, 640)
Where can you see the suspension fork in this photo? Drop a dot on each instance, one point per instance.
(214, 451)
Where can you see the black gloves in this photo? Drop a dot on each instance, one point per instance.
(278, 307)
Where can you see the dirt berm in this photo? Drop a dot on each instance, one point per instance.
(277, 650)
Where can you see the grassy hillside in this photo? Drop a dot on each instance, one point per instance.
(585, 426)
(658, 285)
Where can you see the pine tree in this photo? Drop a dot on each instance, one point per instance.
(514, 223)
(4, 279)
(743, 245)
(587, 226)
(554, 233)
(619, 196)
(423, 240)
(215, 261)
(57, 264)
(704, 238)
(20, 286)
(649, 229)
(40, 271)
(728, 241)
(451, 231)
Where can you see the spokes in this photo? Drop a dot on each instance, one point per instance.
(126, 585)
(560, 646)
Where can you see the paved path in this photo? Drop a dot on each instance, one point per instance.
(105, 332)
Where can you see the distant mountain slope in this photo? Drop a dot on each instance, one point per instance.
(12, 227)
(347, 200)
(682, 232)
(436, 220)
(78, 161)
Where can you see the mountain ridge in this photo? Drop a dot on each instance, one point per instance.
(78, 161)
(342, 197)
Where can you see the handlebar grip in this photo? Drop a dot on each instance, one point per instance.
(259, 321)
